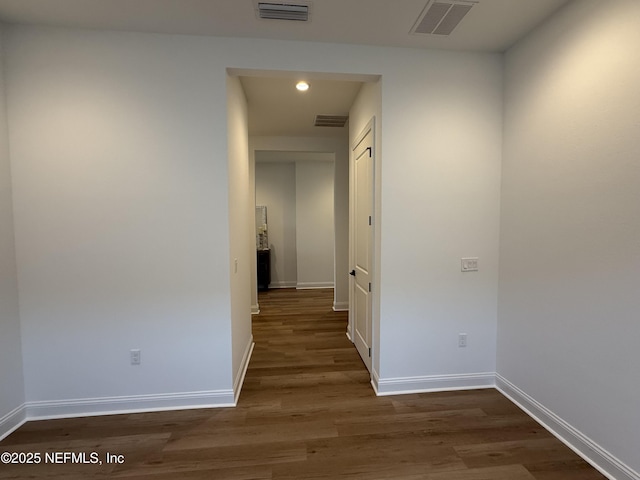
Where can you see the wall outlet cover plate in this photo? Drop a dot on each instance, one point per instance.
(469, 264)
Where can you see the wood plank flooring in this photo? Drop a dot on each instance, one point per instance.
(307, 411)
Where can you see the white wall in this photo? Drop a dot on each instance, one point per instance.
(301, 221)
(241, 228)
(121, 204)
(570, 254)
(276, 189)
(314, 224)
(439, 201)
(122, 207)
(341, 224)
(11, 377)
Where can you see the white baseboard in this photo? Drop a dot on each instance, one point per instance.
(310, 285)
(590, 451)
(255, 309)
(598, 457)
(431, 383)
(87, 407)
(12, 421)
(242, 371)
(283, 285)
(340, 306)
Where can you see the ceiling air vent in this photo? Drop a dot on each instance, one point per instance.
(441, 17)
(331, 120)
(283, 11)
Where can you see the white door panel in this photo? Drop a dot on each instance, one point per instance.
(363, 244)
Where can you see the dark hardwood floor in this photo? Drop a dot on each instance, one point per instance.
(307, 411)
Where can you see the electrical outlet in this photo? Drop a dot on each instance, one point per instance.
(469, 264)
(462, 340)
(135, 357)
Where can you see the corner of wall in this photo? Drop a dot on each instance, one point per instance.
(241, 225)
(12, 394)
(585, 447)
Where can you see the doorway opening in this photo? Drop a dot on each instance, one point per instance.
(293, 158)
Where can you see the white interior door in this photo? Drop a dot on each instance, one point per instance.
(362, 258)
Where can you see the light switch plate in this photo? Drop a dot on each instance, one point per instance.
(135, 356)
(469, 264)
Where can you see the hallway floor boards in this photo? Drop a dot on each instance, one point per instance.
(308, 411)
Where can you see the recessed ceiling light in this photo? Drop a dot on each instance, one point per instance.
(302, 86)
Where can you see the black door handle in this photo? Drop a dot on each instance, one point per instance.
(352, 273)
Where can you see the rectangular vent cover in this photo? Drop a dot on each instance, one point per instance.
(331, 120)
(441, 17)
(283, 11)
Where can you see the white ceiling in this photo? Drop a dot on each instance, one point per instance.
(275, 107)
(492, 25)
